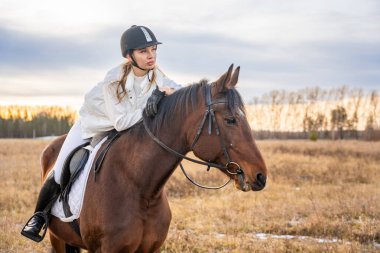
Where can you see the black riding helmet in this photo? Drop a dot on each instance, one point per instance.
(137, 37)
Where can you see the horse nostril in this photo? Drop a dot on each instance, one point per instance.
(261, 179)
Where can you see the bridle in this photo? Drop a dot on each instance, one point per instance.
(210, 115)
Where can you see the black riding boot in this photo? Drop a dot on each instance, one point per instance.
(49, 193)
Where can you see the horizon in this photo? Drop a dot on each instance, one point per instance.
(75, 102)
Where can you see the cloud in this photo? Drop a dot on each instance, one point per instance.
(288, 45)
(318, 62)
(30, 51)
(194, 55)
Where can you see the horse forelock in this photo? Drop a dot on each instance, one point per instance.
(235, 102)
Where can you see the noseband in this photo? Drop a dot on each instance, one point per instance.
(210, 115)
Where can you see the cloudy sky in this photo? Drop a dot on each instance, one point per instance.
(54, 51)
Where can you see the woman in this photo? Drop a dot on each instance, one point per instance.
(115, 103)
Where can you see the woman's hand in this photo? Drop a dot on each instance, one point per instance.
(167, 90)
(151, 107)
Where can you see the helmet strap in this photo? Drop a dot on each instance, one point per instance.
(134, 63)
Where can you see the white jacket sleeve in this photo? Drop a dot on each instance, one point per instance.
(170, 83)
(120, 114)
(167, 81)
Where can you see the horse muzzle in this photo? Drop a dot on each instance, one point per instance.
(260, 182)
(242, 184)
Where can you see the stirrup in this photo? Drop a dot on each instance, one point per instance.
(37, 238)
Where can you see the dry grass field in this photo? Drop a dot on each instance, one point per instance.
(325, 196)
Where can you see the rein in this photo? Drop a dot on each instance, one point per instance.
(210, 115)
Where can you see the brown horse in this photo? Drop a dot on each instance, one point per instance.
(126, 208)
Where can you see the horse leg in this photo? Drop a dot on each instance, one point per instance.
(72, 249)
(156, 226)
(60, 246)
(57, 244)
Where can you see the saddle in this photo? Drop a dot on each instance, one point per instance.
(75, 163)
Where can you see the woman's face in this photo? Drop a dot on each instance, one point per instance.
(145, 57)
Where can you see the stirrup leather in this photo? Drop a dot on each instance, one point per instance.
(37, 238)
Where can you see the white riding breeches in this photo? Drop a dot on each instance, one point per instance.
(73, 140)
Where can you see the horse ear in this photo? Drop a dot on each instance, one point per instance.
(234, 78)
(223, 81)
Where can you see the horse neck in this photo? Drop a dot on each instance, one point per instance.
(161, 163)
(167, 163)
(154, 166)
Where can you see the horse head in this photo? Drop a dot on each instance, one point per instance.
(224, 135)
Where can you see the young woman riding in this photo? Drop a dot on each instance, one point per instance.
(117, 102)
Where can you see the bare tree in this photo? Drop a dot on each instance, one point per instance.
(338, 120)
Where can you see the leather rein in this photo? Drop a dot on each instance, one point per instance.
(210, 115)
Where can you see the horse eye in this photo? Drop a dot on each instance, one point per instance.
(231, 121)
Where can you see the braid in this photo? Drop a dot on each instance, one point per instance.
(121, 91)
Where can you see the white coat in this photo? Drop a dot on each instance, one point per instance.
(102, 111)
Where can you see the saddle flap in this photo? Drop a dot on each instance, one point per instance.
(77, 160)
(73, 163)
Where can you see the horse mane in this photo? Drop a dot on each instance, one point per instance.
(174, 109)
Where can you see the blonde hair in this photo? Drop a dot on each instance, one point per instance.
(121, 92)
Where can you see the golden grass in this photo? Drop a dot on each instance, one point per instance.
(323, 189)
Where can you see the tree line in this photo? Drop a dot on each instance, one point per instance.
(35, 121)
(316, 113)
(312, 113)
